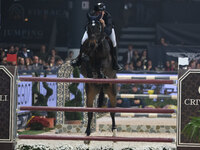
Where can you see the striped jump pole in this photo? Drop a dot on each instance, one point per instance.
(147, 115)
(150, 96)
(84, 109)
(91, 80)
(148, 77)
(97, 138)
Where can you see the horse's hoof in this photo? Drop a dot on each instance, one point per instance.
(114, 132)
(87, 142)
(87, 132)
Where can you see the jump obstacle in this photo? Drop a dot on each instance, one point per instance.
(12, 100)
(83, 109)
(80, 109)
(149, 96)
(148, 77)
(146, 115)
(90, 80)
(97, 138)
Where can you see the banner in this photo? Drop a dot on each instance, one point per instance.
(188, 135)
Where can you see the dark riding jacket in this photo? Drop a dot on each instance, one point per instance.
(108, 22)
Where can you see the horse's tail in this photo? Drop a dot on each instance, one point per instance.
(101, 98)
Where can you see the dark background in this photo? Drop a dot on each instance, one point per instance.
(66, 18)
(60, 23)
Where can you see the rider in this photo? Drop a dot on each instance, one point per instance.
(107, 23)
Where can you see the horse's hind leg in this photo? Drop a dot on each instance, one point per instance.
(112, 97)
(91, 93)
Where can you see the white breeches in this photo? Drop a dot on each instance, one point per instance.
(111, 36)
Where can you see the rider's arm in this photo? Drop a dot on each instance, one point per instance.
(108, 24)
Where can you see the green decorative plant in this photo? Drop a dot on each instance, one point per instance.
(192, 129)
(41, 99)
(76, 101)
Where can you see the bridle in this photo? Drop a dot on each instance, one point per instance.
(95, 31)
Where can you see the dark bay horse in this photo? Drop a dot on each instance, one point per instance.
(97, 63)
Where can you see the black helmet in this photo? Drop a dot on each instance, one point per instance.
(99, 7)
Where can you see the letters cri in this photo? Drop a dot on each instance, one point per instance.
(192, 101)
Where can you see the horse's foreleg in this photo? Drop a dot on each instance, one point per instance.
(88, 130)
(112, 97)
(91, 93)
(114, 130)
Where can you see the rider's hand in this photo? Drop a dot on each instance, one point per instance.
(103, 22)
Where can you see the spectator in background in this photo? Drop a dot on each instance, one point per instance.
(17, 49)
(198, 64)
(139, 65)
(43, 53)
(36, 65)
(174, 65)
(150, 65)
(144, 58)
(122, 102)
(167, 66)
(53, 54)
(21, 64)
(52, 64)
(25, 53)
(13, 63)
(2, 54)
(11, 50)
(135, 56)
(70, 56)
(59, 63)
(4, 61)
(129, 55)
(192, 64)
(28, 63)
(163, 42)
(136, 101)
(129, 67)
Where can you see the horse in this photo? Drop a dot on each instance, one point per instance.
(97, 63)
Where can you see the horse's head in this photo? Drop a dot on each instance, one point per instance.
(94, 30)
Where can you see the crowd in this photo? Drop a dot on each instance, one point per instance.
(129, 102)
(139, 61)
(28, 60)
(194, 64)
(44, 59)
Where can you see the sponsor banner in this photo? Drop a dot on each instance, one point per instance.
(188, 135)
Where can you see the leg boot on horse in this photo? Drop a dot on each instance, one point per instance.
(112, 96)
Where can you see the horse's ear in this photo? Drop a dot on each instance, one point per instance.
(88, 16)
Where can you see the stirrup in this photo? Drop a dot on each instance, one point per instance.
(117, 67)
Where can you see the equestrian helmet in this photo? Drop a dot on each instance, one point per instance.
(99, 7)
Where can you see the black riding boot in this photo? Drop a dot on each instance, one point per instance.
(116, 66)
(77, 61)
